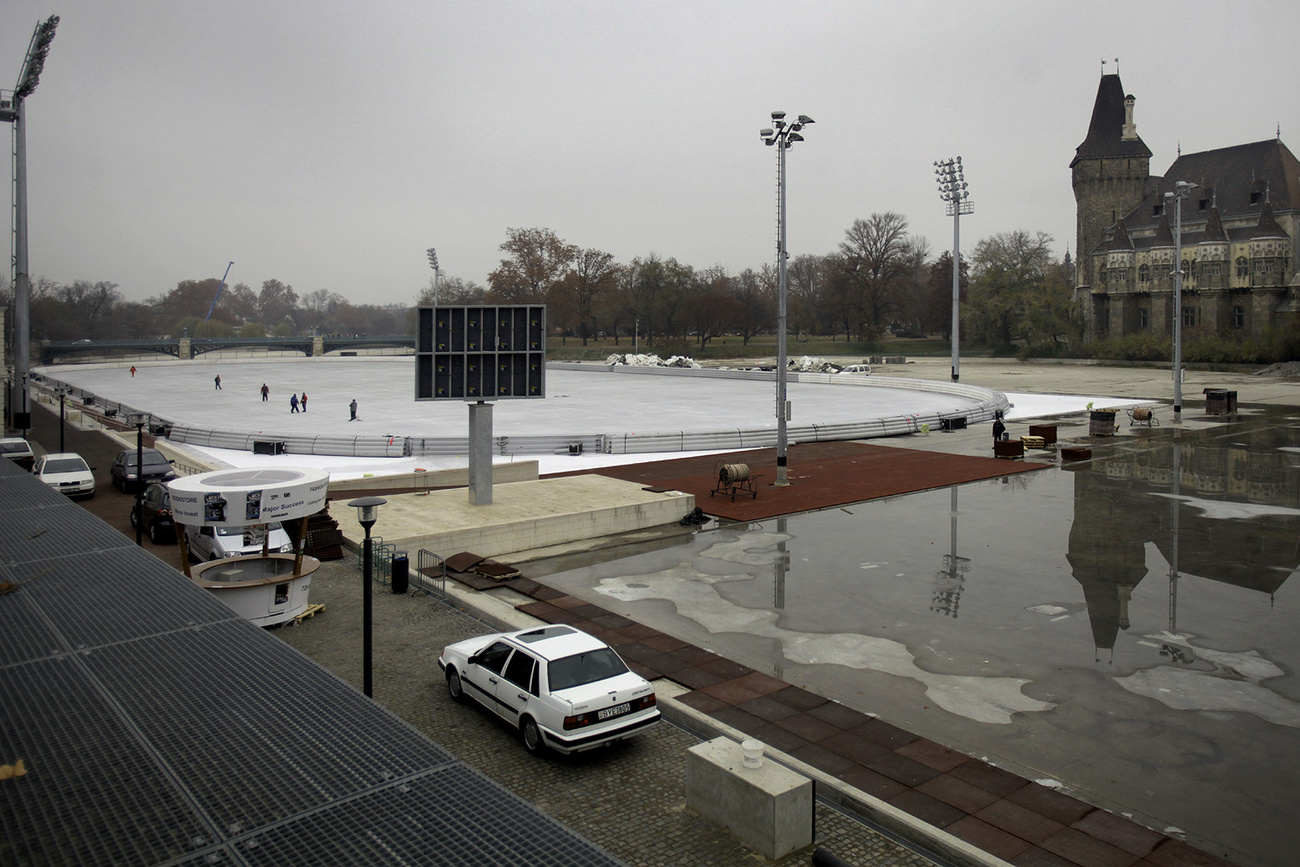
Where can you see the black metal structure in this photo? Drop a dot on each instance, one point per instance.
(145, 723)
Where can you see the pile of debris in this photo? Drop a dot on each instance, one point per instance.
(634, 360)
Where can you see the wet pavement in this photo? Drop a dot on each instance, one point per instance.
(1121, 628)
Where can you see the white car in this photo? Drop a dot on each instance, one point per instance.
(563, 689)
(860, 369)
(217, 543)
(67, 473)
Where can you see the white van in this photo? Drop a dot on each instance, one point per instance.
(216, 543)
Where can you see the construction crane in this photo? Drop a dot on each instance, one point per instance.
(218, 295)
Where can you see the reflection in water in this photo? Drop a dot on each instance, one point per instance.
(1217, 533)
(951, 579)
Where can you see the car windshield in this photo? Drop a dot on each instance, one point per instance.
(65, 465)
(15, 448)
(583, 668)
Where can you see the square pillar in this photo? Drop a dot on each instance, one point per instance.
(480, 454)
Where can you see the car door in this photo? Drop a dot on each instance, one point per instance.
(483, 673)
(517, 685)
(117, 472)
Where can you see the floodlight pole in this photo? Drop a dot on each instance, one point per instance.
(433, 263)
(1181, 190)
(952, 189)
(783, 135)
(12, 110)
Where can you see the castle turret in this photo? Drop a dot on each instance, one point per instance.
(1110, 168)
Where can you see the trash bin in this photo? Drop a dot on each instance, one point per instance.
(1220, 401)
(1101, 423)
(401, 566)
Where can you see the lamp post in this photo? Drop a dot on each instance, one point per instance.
(11, 109)
(1181, 190)
(783, 135)
(62, 392)
(367, 514)
(433, 263)
(138, 419)
(952, 189)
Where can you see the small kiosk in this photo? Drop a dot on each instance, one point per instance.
(267, 588)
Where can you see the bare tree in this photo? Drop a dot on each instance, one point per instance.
(452, 291)
(537, 260)
(874, 257)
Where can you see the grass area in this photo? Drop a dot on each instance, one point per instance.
(758, 347)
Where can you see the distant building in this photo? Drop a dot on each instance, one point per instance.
(1240, 232)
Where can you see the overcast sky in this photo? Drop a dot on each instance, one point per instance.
(329, 144)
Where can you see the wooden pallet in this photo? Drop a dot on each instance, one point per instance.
(311, 611)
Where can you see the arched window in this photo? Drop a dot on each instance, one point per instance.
(1144, 274)
(1243, 267)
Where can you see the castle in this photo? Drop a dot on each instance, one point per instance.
(1240, 232)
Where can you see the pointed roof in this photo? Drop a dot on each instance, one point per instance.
(1268, 227)
(1164, 233)
(1213, 229)
(1106, 130)
(1120, 240)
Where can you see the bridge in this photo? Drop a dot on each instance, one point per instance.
(188, 348)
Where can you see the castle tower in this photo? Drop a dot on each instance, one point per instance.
(1109, 170)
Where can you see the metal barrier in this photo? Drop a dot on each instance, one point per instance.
(430, 575)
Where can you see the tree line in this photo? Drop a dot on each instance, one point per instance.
(880, 280)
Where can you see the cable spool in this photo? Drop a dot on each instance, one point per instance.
(731, 473)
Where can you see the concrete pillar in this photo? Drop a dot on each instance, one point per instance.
(480, 454)
(317, 346)
(186, 349)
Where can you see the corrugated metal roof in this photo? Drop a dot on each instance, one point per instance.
(156, 727)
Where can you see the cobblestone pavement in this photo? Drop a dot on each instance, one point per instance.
(629, 799)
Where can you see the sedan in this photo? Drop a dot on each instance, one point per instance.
(126, 475)
(562, 689)
(67, 473)
(155, 515)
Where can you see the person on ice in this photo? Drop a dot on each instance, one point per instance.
(293, 403)
(353, 406)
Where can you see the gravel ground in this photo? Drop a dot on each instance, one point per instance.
(629, 799)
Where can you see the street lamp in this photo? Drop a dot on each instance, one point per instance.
(62, 392)
(1181, 190)
(952, 189)
(367, 514)
(11, 110)
(138, 419)
(784, 135)
(433, 263)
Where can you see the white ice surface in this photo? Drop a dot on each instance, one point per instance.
(576, 402)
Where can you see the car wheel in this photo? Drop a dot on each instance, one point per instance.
(454, 687)
(532, 737)
(154, 535)
(134, 519)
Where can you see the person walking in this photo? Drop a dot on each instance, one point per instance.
(217, 380)
(266, 393)
(353, 406)
(293, 403)
(304, 401)
(133, 371)
(999, 429)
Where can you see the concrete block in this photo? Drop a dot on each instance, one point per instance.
(769, 808)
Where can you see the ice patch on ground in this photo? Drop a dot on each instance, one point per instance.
(983, 699)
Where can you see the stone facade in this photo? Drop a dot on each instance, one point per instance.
(1239, 239)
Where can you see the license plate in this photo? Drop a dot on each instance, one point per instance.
(616, 710)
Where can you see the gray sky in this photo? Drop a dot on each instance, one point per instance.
(329, 144)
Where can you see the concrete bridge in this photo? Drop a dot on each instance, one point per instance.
(187, 348)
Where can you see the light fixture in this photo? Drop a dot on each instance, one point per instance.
(367, 514)
(952, 189)
(785, 135)
(138, 419)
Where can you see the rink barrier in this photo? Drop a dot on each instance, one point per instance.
(985, 405)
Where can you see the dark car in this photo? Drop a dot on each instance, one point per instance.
(156, 514)
(124, 476)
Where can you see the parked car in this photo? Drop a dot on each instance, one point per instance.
(19, 451)
(155, 515)
(128, 476)
(562, 688)
(216, 543)
(861, 369)
(66, 472)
